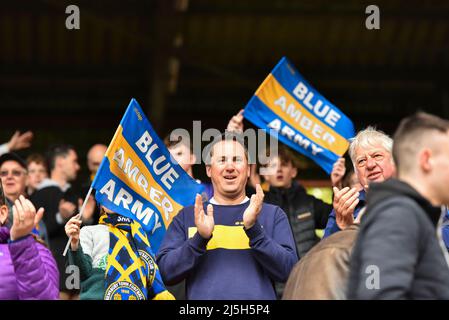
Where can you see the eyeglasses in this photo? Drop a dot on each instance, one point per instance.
(15, 173)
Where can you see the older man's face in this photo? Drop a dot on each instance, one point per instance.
(373, 164)
(229, 169)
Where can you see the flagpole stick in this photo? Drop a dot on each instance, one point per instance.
(80, 216)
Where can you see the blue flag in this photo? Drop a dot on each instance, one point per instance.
(138, 180)
(302, 118)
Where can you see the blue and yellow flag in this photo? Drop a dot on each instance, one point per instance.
(138, 180)
(302, 118)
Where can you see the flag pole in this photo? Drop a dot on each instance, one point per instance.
(80, 216)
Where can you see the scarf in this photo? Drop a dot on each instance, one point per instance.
(131, 270)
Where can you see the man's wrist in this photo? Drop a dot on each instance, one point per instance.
(204, 236)
(249, 225)
(74, 247)
(17, 237)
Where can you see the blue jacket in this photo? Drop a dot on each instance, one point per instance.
(235, 263)
(332, 225)
(445, 230)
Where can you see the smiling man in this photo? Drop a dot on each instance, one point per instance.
(371, 155)
(231, 247)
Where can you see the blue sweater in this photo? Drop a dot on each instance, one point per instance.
(235, 263)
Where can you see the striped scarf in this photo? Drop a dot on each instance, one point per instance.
(131, 271)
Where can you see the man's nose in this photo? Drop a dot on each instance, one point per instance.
(229, 165)
(370, 163)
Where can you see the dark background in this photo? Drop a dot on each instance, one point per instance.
(203, 60)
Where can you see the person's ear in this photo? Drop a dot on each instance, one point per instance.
(294, 172)
(208, 171)
(3, 214)
(425, 160)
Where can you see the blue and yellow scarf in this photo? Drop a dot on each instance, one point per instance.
(131, 271)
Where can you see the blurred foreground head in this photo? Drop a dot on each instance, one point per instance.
(421, 153)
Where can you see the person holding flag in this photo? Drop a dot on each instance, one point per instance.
(140, 190)
(115, 260)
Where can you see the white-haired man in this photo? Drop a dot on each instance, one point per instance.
(371, 155)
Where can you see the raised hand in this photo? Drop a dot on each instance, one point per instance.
(255, 206)
(338, 171)
(20, 141)
(236, 123)
(72, 230)
(25, 218)
(345, 201)
(204, 222)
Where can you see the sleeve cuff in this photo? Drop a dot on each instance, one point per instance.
(199, 242)
(4, 148)
(21, 241)
(255, 231)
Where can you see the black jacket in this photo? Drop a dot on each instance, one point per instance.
(397, 254)
(49, 198)
(305, 213)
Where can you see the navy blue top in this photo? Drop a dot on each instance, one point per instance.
(235, 263)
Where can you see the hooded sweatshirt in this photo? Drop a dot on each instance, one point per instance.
(398, 254)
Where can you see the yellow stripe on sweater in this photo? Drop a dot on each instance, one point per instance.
(226, 237)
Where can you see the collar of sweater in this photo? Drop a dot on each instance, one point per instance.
(213, 201)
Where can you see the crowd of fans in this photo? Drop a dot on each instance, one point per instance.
(248, 236)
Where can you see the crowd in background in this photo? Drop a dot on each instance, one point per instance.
(248, 236)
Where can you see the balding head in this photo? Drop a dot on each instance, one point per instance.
(95, 156)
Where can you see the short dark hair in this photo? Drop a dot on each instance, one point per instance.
(55, 151)
(410, 132)
(226, 136)
(37, 158)
(286, 155)
(172, 143)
